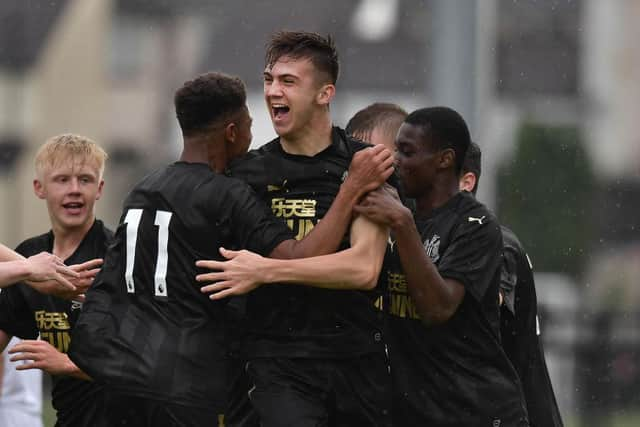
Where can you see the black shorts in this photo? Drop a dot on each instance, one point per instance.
(321, 392)
(128, 411)
(239, 411)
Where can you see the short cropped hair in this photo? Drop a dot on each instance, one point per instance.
(447, 129)
(473, 163)
(383, 115)
(68, 146)
(207, 100)
(321, 51)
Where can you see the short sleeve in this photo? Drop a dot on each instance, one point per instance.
(473, 256)
(254, 226)
(16, 318)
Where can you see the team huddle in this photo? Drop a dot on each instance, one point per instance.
(304, 283)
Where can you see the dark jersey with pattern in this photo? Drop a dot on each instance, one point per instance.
(146, 329)
(520, 330)
(454, 373)
(25, 313)
(303, 321)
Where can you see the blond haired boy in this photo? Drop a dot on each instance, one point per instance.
(69, 178)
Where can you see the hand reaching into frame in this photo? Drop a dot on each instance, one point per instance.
(83, 278)
(240, 274)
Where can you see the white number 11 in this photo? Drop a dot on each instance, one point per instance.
(132, 219)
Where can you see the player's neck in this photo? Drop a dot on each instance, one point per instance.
(441, 191)
(311, 139)
(67, 239)
(202, 150)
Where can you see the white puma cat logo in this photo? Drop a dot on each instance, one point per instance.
(472, 219)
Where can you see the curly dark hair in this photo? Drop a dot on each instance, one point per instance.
(321, 51)
(207, 100)
(447, 129)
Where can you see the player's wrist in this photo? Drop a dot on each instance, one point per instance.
(350, 192)
(22, 270)
(401, 219)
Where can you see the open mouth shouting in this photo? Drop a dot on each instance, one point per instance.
(279, 112)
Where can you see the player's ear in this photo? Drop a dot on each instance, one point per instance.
(468, 182)
(100, 185)
(38, 189)
(325, 94)
(231, 132)
(447, 158)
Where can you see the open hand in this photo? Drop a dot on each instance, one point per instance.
(237, 276)
(81, 281)
(45, 266)
(40, 355)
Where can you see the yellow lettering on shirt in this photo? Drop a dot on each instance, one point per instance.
(54, 328)
(287, 208)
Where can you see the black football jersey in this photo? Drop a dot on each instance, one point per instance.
(303, 321)
(145, 328)
(521, 338)
(454, 373)
(26, 313)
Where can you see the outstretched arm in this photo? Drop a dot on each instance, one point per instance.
(436, 298)
(38, 268)
(357, 267)
(42, 355)
(84, 275)
(369, 169)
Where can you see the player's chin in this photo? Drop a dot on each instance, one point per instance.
(74, 221)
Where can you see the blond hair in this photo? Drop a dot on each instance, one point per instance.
(65, 147)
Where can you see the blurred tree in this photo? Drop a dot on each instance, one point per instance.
(545, 195)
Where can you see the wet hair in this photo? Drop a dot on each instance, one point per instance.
(69, 147)
(386, 116)
(321, 51)
(473, 163)
(208, 100)
(447, 129)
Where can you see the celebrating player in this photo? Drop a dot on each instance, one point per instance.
(447, 362)
(519, 324)
(309, 348)
(69, 171)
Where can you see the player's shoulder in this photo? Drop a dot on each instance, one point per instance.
(510, 239)
(473, 216)
(254, 158)
(470, 210)
(35, 245)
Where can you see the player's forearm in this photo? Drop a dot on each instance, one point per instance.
(6, 254)
(13, 271)
(436, 299)
(13, 267)
(357, 267)
(348, 269)
(327, 234)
